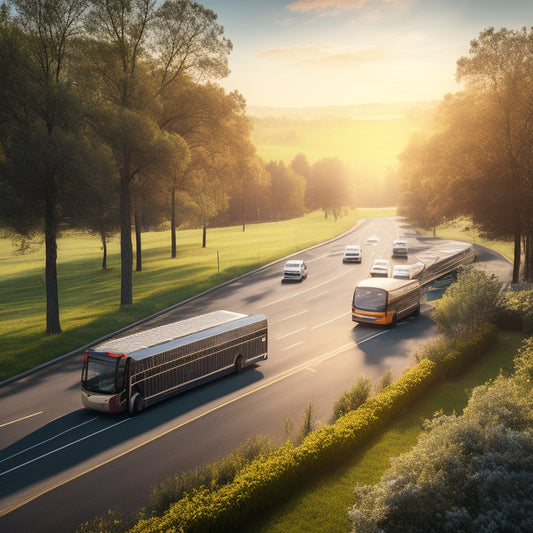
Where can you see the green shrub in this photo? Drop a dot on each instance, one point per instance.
(435, 350)
(464, 352)
(518, 300)
(383, 382)
(348, 401)
(452, 354)
(307, 423)
(210, 475)
(509, 320)
(112, 521)
(524, 361)
(467, 304)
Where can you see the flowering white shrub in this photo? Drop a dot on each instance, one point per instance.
(469, 473)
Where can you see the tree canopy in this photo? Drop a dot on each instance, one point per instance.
(478, 162)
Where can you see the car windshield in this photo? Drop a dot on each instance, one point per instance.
(292, 265)
(103, 373)
(370, 299)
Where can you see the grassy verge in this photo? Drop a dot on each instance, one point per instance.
(323, 505)
(89, 296)
(462, 230)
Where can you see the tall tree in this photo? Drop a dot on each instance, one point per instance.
(141, 49)
(287, 191)
(200, 113)
(427, 190)
(499, 72)
(40, 135)
(329, 187)
(151, 189)
(120, 28)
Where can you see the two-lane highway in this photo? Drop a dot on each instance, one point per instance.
(63, 462)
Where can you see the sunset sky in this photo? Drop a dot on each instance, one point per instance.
(301, 53)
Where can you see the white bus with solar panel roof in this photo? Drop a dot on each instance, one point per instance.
(135, 371)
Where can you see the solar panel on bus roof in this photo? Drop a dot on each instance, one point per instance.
(166, 333)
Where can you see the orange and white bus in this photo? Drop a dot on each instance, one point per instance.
(385, 300)
(132, 372)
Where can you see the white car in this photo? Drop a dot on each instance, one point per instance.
(295, 270)
(381, 269)
(372, 240)
(401, 272)
(399, 248)
(352, 253)
(408, 271)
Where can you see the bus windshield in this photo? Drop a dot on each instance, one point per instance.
(103, 373)
(370, 299)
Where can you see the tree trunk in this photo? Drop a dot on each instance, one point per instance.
(126, 248)
(53, 326)
(104, 247)
(516, 258)
(138, 247)
(528, 263)
(173, 224)
(204, 234)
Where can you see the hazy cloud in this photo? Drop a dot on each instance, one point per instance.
(327, 56)
(336, 5)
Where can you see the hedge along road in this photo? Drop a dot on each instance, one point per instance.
(61, 464)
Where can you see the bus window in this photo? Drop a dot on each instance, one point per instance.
(370, 299)
(103, 374)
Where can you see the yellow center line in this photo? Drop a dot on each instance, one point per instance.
(20, 419)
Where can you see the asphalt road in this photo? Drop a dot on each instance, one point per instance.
(61, 464)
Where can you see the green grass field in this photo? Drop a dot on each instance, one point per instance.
(369, 145)
(462, 230)
(89, 296)
(367, 138)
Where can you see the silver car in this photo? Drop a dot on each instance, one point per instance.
(352, 254)
(295, 270)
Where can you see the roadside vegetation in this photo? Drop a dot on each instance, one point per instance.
(475, 160)
(280, 476)
(88, 293)
(467, 472)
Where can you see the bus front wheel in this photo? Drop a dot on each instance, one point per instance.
(239, 365)
(136, 403)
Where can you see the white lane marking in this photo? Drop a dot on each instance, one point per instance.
(51, 438)
(373, 336)
(291, 346)
(291, 333)
(306, 290)
(62, 447)
(296, 314)
(316, 296)
(332, 320)
(20, 419)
